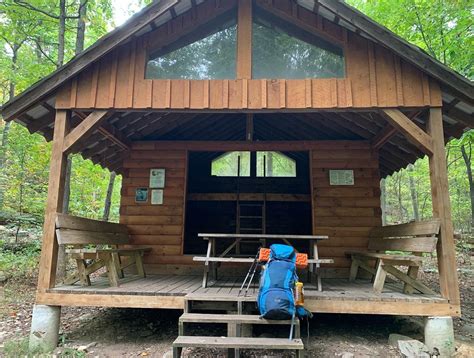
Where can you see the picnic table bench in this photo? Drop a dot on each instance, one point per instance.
(397, 245)
(212, 258)
(97, 242)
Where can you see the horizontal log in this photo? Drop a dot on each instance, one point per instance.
(151, 220)
(348, 221)
(151, 210)
(156, 239)
(155, 229)
(344, 192)
(344, 212)
(349, 202)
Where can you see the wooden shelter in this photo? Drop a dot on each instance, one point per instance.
(381, 105)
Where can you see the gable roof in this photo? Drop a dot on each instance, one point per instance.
(35, 107)
(161, 11)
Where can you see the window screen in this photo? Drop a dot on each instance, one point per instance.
(212, 57)
(275, 164)
(284, 51)
(227, 165)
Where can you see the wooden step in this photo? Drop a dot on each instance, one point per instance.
(238, 342)
(231, 318)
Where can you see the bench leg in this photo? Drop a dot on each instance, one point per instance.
(177, 352)
(83, 276)
(112, 272)
(139, 264)
(413, 273)
(379, 280)
(354, 270)
(118, 264)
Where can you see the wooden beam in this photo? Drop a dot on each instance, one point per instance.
(383, 136)
(458, 85)
(442, 209)
(84, 129)
(410, 130)
(244, 40)
(111, 133)
(323, 305)
(228, 146)
(54, 204)
(249, 127)
(43, 88)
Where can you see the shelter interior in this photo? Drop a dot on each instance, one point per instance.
(266, 106)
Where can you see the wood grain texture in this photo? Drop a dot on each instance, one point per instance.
(160, 227)
(375, 77)
(345, 213)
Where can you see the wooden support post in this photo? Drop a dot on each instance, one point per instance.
(244, 40)
(54, 203)
(442, 209)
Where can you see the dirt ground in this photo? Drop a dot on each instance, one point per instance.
(100, 332)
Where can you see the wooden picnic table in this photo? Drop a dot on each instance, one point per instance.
(212, 259)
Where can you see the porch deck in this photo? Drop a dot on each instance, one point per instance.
(228, 287)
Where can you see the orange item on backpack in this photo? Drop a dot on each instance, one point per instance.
(301, 259)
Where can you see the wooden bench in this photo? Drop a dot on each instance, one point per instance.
(98, 242)
(397, 245)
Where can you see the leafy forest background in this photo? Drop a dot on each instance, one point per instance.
(37, 36)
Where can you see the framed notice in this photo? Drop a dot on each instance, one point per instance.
(157, 178)
(157, 197)
(341, 177)
(141, 195)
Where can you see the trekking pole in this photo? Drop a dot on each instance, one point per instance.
(251, 277)
(254, 263)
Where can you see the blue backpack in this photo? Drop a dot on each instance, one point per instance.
(275, 298)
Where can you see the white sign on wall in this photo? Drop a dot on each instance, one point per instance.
(341, 177)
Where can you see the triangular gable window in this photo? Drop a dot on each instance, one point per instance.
(211, 57)
(281, 50)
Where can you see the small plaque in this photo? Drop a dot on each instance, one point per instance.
(157, 178)
(141, 195)
(157, 197)
(341, 177)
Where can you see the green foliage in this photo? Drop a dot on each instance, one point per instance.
(19, 260)
(399, 206)
(443, 28)
(32, 28)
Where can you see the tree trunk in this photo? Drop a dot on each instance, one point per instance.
(6, 128)
(383, 201)
(61, 32)
(414, 195)
(467, 159)
(108, 197)
(81, 27)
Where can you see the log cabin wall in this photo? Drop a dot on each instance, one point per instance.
(345, 213)
(158, 226)
(374, 76)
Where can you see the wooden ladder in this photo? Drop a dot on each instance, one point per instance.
(239, 327)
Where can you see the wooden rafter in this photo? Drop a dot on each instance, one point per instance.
(110, 132)
(409, 129)
(383, 136)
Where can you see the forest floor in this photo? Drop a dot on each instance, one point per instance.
(101, 332)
